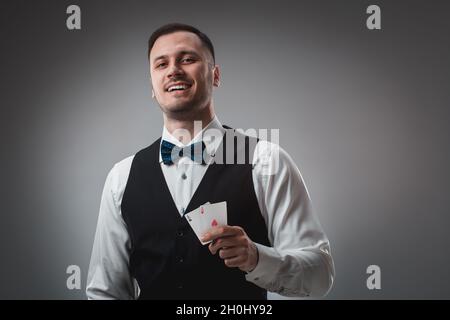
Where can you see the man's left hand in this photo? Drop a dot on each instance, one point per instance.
(234, 247)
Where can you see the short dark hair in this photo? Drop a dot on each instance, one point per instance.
(174, 27)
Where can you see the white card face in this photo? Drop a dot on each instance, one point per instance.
(207, 216)
(194, 219)
(216, 214)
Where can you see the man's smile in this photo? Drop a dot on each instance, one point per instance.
(178, 86)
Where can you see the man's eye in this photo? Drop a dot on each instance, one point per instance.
(187, 60)
(160, 65)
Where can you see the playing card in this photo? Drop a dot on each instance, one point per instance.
(207, 216)
(195, 220)
(215, 214)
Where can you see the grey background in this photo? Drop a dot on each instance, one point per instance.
(365, 115)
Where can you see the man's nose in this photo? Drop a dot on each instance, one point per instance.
(175, 70)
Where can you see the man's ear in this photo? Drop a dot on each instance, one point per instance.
(151, 86)
(216, 76)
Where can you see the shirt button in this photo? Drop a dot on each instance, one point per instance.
(183, 176)
(182, 210)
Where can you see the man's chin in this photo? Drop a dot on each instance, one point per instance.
(179, 108)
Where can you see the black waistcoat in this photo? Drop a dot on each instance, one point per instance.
(167, 259)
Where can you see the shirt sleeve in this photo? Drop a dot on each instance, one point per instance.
(298, 263)
(108, 275)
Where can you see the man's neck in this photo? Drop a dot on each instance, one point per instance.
(185, 129)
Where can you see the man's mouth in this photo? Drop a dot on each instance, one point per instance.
(178, 87)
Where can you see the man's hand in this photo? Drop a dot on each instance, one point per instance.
(234, 247)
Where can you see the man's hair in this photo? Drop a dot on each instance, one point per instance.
(174, 27)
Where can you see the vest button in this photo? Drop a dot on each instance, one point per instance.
(181, 260)
(180, 233)
(180, 286)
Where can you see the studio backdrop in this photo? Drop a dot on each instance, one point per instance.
(360, 97)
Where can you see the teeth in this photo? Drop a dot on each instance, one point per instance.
(177, 87)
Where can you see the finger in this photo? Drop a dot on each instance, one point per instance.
(230, 252)
(234, 262)
(225, 242)
(220, 231)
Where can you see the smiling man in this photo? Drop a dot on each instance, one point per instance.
(144, 247)
(183, 75)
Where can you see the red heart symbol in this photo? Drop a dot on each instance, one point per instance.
(214, 223)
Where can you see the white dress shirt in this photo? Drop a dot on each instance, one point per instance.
(298, 262)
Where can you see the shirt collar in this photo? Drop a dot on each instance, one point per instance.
(211, 135)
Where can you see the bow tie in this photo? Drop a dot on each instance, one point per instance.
(171, 153)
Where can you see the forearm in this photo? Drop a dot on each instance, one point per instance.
(303, 272)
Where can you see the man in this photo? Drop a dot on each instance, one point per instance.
(144, 247)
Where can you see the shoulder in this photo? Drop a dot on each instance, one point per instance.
(273, 166)
(117, 178)
(121, 169)
(119, 173)
(270, 156)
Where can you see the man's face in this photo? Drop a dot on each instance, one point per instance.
(182, 73)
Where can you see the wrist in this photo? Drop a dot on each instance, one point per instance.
(255, 257)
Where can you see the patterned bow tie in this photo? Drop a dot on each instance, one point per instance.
(171, 152)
